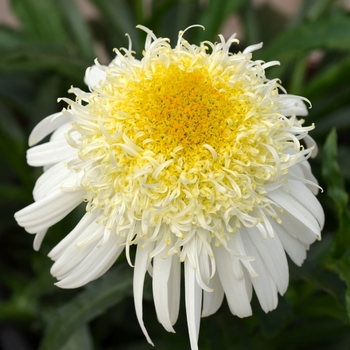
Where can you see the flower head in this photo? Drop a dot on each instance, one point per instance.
(192, 155)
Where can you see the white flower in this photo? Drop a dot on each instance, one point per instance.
(192, 155)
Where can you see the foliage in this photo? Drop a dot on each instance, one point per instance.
(48, 53)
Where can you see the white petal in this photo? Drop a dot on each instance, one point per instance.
(303, 170)
(292, 206)
(306, 168)
(273, 256)
(142, 261)
(174, 289)
(235, 289)
(264, 285)
(293, 105)
(74, 236)
(60, 133)
(248, 283)
(193, 301)
(38, 239)
(294, 248)
(49, 153)
(252, 48)
(94, 76)
(297, 228)
(48, 211)
(46, 127)
(161, 273)
(51, 180)
(213, 300)
(73, 255)
(99, 259)
(310, 143)
(296, 173)
(307, 199)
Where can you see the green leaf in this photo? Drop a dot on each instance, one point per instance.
(77, 27)
(98, 296)
(318, 7)
(10, 38)
(120, 20)
(328, 79)
(39, 57)
(311, 10)
(336, 191)
(215, 15)
(332, 32)
(347, 298)
(41, 19)
(339, 119)
(80, 339)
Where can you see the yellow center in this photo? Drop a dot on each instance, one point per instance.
(175, 138)
(181, 108)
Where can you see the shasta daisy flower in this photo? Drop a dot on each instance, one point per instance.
(192, 155)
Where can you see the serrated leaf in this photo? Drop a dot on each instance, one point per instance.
(98, 296)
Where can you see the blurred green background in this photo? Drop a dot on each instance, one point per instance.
(45, 47)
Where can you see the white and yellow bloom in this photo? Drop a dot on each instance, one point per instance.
(192, 155)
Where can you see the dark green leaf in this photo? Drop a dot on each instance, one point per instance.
(332, 32)
(215, 15)
(336, 190)
(339, 119)
(10, 38)
(31, 58)
(80, 339)
(120, 20)
(78, 28)
(329, 78)
(41, 19)
(106, 292)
